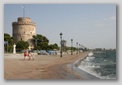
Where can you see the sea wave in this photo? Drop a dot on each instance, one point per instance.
(100, 65)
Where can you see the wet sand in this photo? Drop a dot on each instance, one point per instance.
(47, 67)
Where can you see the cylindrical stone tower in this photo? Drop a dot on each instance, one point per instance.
(24, 29)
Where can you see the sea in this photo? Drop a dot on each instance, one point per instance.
(101, 64)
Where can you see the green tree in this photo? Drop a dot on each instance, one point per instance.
(53, 46)
(21, 45)
(56, 46)
(9, 45)
(44, 46)
(41, 42)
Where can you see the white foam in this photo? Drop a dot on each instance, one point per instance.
(90, 69)
(90, 54)
(89, 58)
(89, 66)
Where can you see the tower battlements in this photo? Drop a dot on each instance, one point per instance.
(24, 21)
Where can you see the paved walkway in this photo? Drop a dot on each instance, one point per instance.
(43, 67)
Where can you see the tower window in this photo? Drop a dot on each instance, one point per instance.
(21, 38)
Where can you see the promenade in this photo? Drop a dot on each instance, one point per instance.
(44, 67)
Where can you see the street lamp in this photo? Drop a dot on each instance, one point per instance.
(61, 44)
(71, 46)
(77, 47)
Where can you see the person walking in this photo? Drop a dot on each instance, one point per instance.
(30, 55)
(25, 55)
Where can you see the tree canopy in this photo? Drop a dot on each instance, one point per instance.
(9, 45)
(42, 43)
(21, 45)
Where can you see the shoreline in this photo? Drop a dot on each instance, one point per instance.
(43, 67)
(82, 73)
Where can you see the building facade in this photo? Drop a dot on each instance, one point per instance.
(24, 29)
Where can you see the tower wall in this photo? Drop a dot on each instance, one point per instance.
(24, 30)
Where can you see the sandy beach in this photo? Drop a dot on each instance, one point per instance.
(49, 67)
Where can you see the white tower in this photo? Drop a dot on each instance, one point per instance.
(24, 29)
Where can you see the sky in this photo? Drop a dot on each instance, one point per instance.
(91, 25)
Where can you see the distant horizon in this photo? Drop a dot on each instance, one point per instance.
(91, 25)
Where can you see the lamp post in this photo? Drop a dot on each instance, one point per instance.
(61, 44)
(77, 47)
(71, 46)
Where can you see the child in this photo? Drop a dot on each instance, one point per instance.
(25, 55)
(30, 55)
